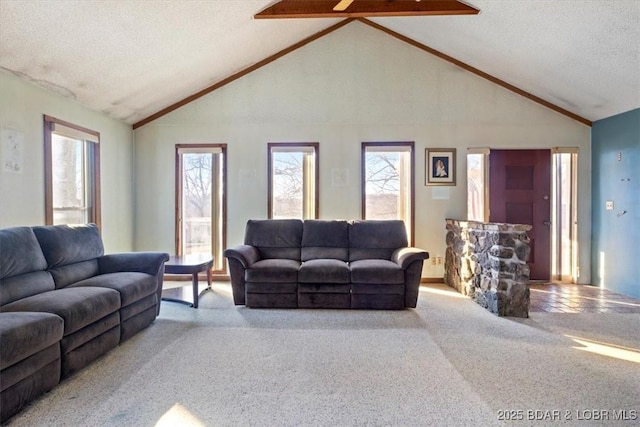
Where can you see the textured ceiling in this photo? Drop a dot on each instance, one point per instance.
(130, 59)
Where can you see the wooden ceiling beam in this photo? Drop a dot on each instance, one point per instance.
(364, 8)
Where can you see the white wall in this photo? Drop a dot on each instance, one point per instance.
(22, 106)
(356, 84)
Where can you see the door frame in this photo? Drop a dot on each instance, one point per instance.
(555, 245)
(220, 216)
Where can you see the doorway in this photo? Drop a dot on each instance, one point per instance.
(537, 187)
(201, 201)
(520, 182)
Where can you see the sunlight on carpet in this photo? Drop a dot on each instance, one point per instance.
(443, 292)
(606, 349)
(178, 415)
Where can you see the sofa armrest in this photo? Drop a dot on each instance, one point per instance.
(142, 262)
(240, 258)
(245, 254)
(405, 256)
(410, 260)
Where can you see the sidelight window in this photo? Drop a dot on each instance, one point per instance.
(477, 184)
(564, 263)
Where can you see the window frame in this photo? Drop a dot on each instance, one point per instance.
(291, 146)
(412, 180)
(218, 258)
(95, 209)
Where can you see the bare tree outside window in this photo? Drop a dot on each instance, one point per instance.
(197, 184)
(197, 202)
(382, 185)
(388, 182)
(200, 198)
(288, 180)
(293, 180)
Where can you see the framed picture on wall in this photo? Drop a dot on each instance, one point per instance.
(440, 166)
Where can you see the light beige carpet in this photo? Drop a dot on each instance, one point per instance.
(448, 362)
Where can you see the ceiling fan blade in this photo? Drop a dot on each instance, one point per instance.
(342, 5)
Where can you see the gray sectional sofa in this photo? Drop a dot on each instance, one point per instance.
(64, 303)
(325, 264)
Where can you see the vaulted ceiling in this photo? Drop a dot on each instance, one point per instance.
(131, 59)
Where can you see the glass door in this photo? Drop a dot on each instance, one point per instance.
(200, 194)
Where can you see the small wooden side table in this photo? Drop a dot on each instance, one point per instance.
(190, 264)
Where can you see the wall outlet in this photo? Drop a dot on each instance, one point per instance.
(608, 205)
(439, 260)
(433, 261)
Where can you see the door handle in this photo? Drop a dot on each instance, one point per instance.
(546, 222)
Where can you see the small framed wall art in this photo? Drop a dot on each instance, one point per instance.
(440, 166)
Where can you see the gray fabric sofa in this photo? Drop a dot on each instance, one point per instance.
(64, 303)
(325, 264)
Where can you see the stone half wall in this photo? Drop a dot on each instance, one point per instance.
(488, 263)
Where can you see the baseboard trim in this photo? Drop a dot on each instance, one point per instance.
(432, 280)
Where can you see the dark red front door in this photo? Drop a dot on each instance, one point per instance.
(520, 193)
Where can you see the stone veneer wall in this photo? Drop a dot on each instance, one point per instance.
(488, 262)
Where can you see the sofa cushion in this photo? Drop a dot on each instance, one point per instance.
(275, 238)
(24, 334)
(132, 286)
(22, 265)
(376, 239)
(324, 271)
(21, 252)
(25, 285)
(78, 307)
(71, 251)
(376, 271)
(273, 271)
(325, 239)
(69, 244)
(66, 275)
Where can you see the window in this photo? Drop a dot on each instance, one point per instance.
(477, 172)
(201, 201)
(293, 180)
(388, 182)
(72, 173)
(564, 223)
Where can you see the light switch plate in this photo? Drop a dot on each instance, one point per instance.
(608, 205)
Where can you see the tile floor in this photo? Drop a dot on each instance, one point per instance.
(567, 298)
